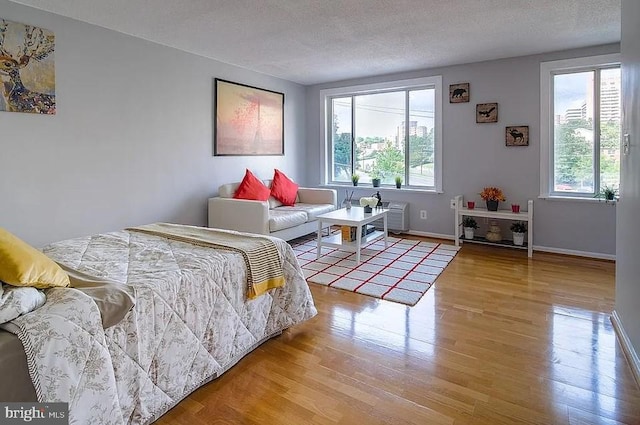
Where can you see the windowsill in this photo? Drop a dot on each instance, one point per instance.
(384, 189)
(577, 199)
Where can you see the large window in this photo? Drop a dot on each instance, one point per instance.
(385, 131)
(580, 126)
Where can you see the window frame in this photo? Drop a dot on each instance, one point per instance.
(547, 72)
(326, 96)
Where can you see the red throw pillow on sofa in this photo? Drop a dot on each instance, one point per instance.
(283, 188)
(252, 188)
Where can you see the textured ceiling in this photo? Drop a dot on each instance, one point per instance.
(315, 41)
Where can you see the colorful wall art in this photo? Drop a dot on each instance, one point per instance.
(248, 120)
(27, 69)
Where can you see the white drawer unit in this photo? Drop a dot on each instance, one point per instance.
(397, 217)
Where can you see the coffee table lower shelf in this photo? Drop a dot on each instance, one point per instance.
(336, 241)
(353, 217)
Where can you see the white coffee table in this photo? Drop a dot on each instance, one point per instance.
(354, 217)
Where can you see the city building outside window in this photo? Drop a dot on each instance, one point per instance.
(580, 126)
(385, 131)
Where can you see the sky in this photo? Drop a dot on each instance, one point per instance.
(571, 89)
(380, 114)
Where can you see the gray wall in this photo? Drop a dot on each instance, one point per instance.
(475, 155)
(627, 265)
(132, 140)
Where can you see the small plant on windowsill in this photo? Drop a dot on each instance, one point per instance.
(398, 182)
(355, 178)
(376, 176)
(608, 193)
(469, 224)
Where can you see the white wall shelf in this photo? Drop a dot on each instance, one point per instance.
(526, 216)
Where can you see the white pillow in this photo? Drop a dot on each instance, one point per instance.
(18, 300)
(274, 203)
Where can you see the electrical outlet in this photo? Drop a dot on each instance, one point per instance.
(423, 214)
(453, 204)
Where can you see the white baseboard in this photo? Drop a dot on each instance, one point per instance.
(430, 235)
(576, 253)
(563, 251)
(627, 348)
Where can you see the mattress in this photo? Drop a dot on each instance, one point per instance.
(15, 384)
(191, 321)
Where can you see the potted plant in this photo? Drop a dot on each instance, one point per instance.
(492, 195)
(398, 182)
(469, 224)
(519, 228)
(354, 178)
(368, 202)
(375, 178)
(608, 193)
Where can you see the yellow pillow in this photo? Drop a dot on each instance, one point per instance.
(23, 265)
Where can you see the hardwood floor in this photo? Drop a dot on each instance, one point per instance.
(499, 339)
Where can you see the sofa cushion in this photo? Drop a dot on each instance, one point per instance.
(227, 190)
(274, 203)
(281, 219)
(252, 189)
(283, 188)
(312, 210)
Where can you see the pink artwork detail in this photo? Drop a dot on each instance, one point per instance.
(249, 121)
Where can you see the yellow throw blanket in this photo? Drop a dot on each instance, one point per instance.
(264, 266)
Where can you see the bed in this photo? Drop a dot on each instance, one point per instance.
(188, 316)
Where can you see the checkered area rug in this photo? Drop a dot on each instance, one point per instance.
(402, 273)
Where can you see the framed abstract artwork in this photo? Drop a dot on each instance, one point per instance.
(486, 112)
(248, 120)
(517, 135)
(27, 69)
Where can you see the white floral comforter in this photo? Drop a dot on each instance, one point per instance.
(191, 321)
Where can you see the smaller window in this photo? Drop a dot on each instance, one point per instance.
(580, 126)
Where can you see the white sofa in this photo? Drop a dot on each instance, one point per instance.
(271, 217)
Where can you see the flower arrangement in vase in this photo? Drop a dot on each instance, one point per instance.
(368, 202)
(492, 195)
